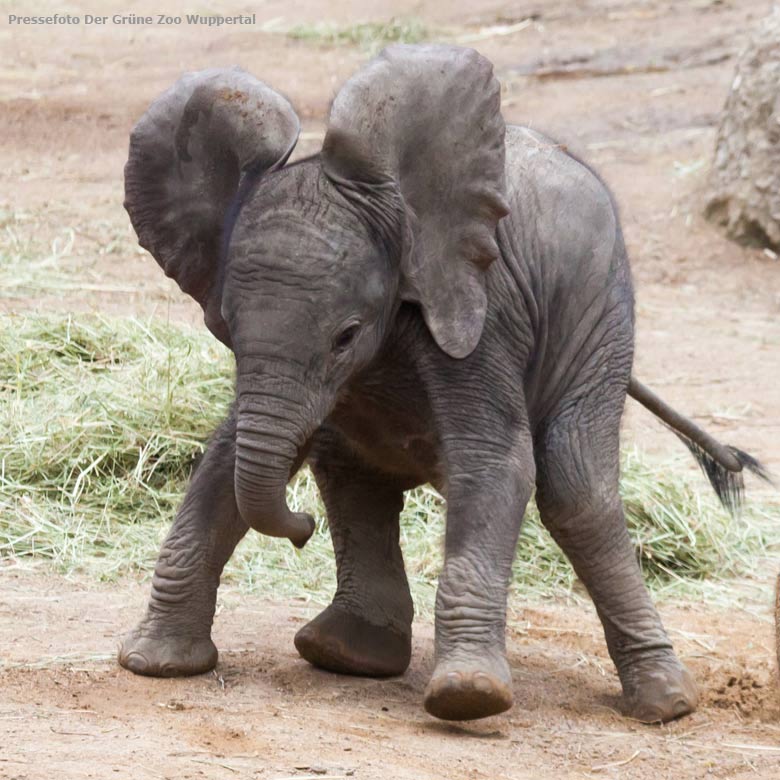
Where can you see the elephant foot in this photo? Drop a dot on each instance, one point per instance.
(469, 690)
(659, 692)
(172, 656)
(344, 642)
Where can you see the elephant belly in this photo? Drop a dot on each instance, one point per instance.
(392, 434)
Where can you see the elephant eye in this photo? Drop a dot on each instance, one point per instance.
(345, 337)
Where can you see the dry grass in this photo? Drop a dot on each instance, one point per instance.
(81, 259)
(370, 36)
(102, 421)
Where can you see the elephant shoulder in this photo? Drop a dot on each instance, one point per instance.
(564, 200)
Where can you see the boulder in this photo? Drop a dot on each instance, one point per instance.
(744, 188)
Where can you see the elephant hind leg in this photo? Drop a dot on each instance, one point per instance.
(577, 455)
(367, 630)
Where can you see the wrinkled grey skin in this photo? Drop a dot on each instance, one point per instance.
(337, 365)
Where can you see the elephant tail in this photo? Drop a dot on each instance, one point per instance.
(722, 463)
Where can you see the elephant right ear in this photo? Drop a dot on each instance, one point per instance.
(421, 128)
(188, 154)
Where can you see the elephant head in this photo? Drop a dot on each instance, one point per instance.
(300, 269)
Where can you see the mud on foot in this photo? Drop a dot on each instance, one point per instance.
(344, 642)
(470, 690)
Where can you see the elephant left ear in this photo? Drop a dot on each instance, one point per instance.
(426, 120)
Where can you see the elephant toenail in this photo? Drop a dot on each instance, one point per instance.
(681, 706)
(452, 681)
(135, 662)
(483, 683)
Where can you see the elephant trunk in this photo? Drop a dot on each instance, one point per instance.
(269, 439)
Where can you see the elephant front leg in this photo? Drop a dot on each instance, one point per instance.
(367, 629)
(174, 638)
(486, 499)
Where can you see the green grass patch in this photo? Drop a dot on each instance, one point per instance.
(370, 36)
(102, 420)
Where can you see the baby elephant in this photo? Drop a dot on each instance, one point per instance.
(434, 297)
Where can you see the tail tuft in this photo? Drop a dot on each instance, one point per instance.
(728, 485)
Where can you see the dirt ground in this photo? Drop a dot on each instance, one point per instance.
(67, 710)
(635, 88)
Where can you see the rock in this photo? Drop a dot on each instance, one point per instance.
(744, 193)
